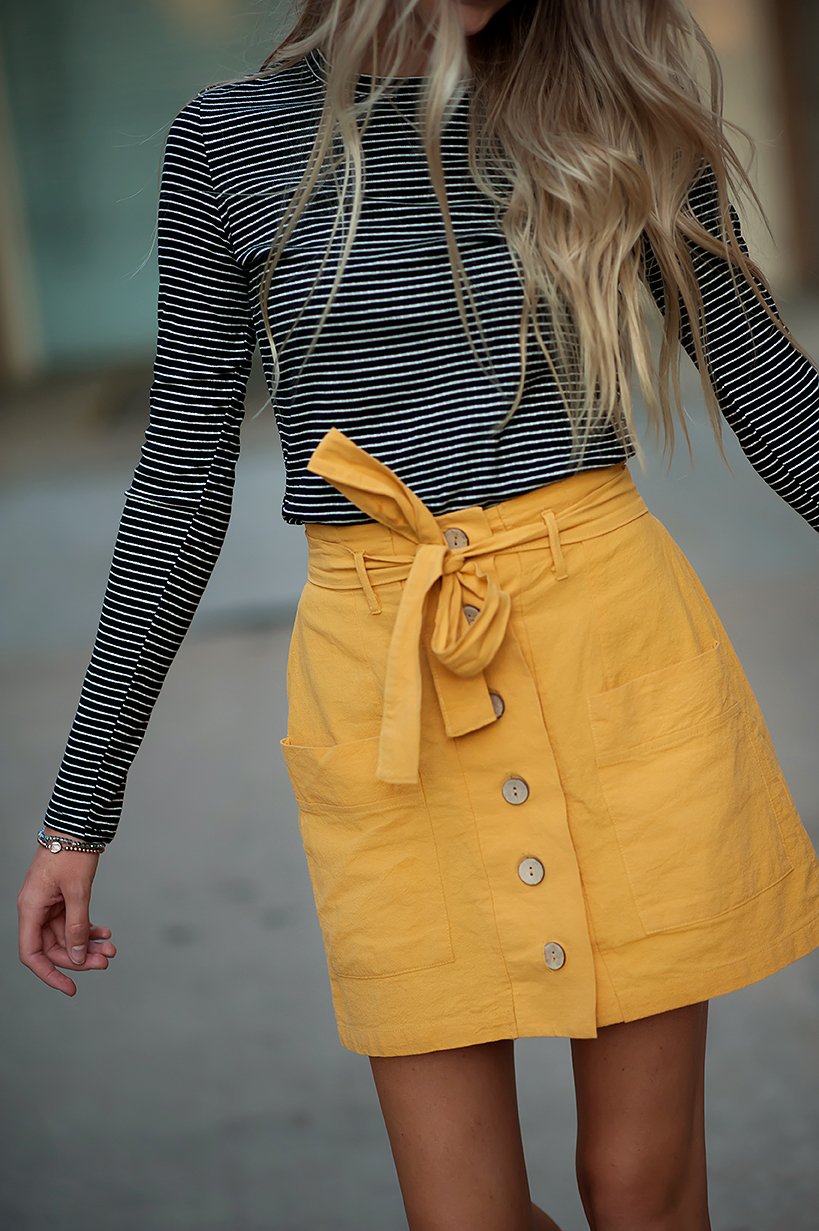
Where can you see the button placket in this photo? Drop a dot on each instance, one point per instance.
(543, 859)
(542, 919)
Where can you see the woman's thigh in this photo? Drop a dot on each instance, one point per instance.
(640, 1095)
(452, 1122)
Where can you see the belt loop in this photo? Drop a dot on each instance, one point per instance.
(363, 577)
(558, 562)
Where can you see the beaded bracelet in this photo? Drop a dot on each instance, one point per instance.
(66, 844)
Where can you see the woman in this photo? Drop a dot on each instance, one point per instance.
(536, 792)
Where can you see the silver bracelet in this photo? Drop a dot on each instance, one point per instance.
(66, 844)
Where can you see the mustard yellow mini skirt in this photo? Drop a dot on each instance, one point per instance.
(535, 790)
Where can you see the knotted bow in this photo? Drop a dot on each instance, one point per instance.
(457, 650)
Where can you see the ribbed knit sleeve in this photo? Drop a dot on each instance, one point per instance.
(768, 392)
(178, 503)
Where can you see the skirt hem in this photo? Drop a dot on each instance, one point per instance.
(449, 1033)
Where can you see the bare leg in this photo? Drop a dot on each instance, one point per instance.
(640, 1094)
(452, 1122)
(542, 1221)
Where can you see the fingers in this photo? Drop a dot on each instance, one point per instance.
(94, 960)
(77, 923)
(54, 926)
(99, 936)
(101, 947)
(42, 936)
(32, 916)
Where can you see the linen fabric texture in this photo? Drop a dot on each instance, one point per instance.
(560, 810)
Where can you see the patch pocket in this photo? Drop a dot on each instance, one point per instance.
(677, 763)
(373, 861)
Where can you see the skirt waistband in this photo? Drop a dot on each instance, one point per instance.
(406, 541)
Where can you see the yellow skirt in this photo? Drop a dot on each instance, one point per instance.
(535, 790)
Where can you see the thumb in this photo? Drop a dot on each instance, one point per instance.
(77, 925)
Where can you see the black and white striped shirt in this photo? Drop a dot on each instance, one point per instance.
(393, 369)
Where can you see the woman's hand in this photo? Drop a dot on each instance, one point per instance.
(54, 927)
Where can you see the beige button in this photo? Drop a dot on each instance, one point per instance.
(531, 871)
(497, 703)
(554, 955)
(455, 537)
(515, 791)
(471, 612)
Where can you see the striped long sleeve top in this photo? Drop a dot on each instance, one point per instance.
(392, 369)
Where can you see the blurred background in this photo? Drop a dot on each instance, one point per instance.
(199, 1083)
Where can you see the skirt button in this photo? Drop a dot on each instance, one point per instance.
(456, 537)
(515, 791)
(554, 955)
(531, 871)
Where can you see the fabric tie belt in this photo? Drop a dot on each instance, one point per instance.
(460, 651)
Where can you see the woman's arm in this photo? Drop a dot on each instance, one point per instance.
(178, 504)
(767, 390)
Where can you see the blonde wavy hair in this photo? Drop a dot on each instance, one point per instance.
(588, 128)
